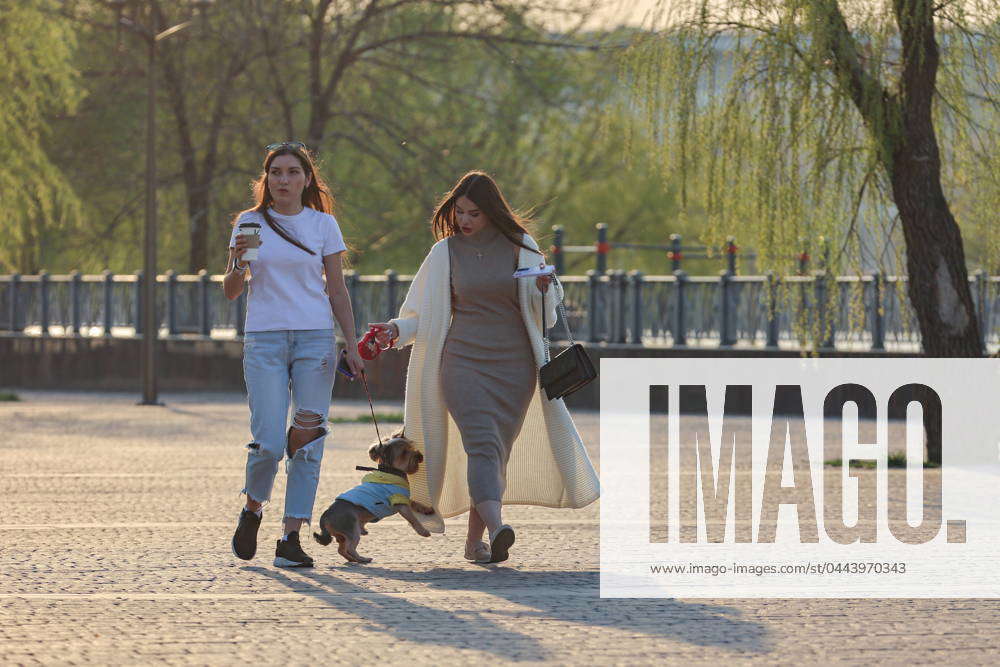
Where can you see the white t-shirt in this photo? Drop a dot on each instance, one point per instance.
(287, 290)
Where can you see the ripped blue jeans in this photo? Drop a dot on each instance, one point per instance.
(279, 367)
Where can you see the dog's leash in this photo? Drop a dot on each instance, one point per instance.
(368, 348)
(364, 380)
(382, 468)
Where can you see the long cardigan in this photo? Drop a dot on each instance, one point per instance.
(548, 464)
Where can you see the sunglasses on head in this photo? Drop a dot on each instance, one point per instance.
(293, 145)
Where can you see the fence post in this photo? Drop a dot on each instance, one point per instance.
(391, 288)
(725, 309)
(205, 310)
(592, 280)
(43, 288)
(826, 318)
(76, 307)
(621, 286)
(831, 290)
(731, 251)
(820, 290)
(675, 255)
(15, 281)
(680, 324)
(878, 324)
(602, 247)
(109, 313)
(137, 314)
(636, 280)
(171, 302)
(611, 305)
(352, 289)
(831, 313)
(557, 249)
(803, 263)
(772, 310)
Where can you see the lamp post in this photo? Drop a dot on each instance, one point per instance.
(150, 327)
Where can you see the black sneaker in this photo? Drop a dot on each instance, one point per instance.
(245, 537)
(289, 553)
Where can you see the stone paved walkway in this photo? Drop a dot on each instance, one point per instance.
(115, 522)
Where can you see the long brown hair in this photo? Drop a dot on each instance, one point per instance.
(315, 195)
(480, 187)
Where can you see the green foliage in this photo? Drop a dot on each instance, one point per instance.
(100, 149)
(39, 80)
(704, 130)
(541, 129)
(893, 460)
(968, 114)
(753, 118)
(782, 121)
(383, 417)
(404, 122)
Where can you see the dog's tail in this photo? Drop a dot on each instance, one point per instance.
(323, 537)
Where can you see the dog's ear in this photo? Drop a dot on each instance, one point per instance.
(377, 451)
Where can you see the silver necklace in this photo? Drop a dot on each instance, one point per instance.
(479, 249)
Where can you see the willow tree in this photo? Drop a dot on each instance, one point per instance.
(861, 121)
(39, 80)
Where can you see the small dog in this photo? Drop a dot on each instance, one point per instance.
(382, 493)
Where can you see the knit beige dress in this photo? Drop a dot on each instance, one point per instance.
(548, 466)
(488, 372)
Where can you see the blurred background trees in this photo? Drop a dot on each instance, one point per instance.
(41, 84)
(397, 99)
(581, 120)
(865, 123)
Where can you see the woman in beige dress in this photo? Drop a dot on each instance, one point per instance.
(488, 366)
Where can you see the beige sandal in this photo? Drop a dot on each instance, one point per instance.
(477, 553)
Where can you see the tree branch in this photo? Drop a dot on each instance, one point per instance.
(485, 36)
(876, 105)
(278, 83)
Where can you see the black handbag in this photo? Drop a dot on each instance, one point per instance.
(571, 369)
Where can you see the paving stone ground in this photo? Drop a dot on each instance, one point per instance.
(115, 522)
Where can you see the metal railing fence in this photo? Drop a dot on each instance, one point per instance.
(869, 312)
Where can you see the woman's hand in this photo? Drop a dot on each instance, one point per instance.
(241, 246)
(542, 282)
(354, 360)
(385, 333)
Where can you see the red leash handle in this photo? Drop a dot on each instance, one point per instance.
(368, 346)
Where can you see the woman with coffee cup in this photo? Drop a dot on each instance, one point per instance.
(287, 242)
(477, 338)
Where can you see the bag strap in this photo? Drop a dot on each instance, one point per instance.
(545, 331)
(562, 310)
(280, 231)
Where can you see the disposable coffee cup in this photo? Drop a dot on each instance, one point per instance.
(251, 230)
